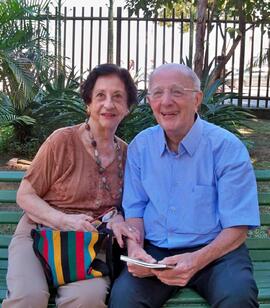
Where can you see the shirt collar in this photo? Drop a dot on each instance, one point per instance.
(192, 139)
(190, 142)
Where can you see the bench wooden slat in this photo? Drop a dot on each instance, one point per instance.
(8, 196)
(5, 240)
(258, 243)
(3, 253)
(262, 175)
(10, 217)
(265, 219)
(261, 266)
(11, 176)
(264, 198)
(260, 255)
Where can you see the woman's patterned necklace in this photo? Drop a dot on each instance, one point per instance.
(101, 170)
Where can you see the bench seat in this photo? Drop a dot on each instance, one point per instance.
(259, 248)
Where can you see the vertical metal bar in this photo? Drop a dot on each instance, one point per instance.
(181, 37)
(206, 56)
(65, 36)
(91, 39)
(47, 31)
(55, 42)
(233, 61)
(128, 41)
(224, 52)
(110, 40)
(216, 40)
(59, 40)
(260, 66)
(73, 37)
(268, 77)
(163, 36)
(251, 65)
(146, 52)
(82, 45)
(138, 42)
(191, 36)
(38, 29)
(100, 34)
(242, 29)
(172, 47)
(118, 36)
(155, 42)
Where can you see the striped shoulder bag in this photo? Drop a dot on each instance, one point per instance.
(68, 256)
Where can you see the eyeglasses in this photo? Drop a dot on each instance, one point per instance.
(104, 217)
(175, 92)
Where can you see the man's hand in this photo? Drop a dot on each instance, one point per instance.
(186, 265)
(137, 252)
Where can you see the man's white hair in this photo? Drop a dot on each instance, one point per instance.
(183, 69)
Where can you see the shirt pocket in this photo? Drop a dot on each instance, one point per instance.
(200, 211)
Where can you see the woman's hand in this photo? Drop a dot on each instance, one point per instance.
(122, 229)
(77, 222)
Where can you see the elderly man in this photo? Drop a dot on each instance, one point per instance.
(191, 191)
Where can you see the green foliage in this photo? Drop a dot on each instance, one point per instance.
(37, 99)
(255, 11)
(6, 135)
(216, 109)
(57, 103)
(20, 40)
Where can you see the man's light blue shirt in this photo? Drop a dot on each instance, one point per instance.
(187, 198)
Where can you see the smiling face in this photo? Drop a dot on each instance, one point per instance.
(108, 104)
(174, 100)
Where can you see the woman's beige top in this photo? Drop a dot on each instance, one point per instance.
(65, 175)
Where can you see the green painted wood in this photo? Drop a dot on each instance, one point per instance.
(265, 219)
(262, 175)
(8, 196)
(264, 198)
(11, 176)
(260, 255)
(261, 266)
(3, 253)
(7, 217)
(4, 241)
(257, 243)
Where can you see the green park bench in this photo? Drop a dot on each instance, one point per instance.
(258, 243)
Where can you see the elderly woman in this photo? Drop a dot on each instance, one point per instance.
(75, 177)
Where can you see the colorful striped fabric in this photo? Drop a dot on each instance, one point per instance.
(68, 256)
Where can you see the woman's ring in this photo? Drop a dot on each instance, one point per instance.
(130, 229)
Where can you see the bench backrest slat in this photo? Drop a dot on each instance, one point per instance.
(11, 176)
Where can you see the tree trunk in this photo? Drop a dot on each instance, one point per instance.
(226, 57)
(200, 33)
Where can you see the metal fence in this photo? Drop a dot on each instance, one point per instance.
(141, 44)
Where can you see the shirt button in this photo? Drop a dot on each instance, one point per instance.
(172, 208)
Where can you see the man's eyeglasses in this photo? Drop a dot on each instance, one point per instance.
(175, 92)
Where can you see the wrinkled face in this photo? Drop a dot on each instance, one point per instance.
(174, 101)
(109, 102)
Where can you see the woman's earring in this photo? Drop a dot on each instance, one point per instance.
(87, 126)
